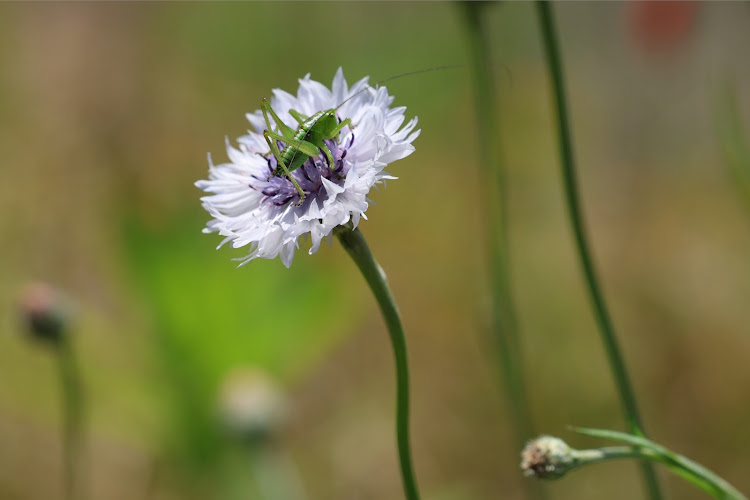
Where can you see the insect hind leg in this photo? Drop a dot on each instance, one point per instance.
(298, 116)
(266, 108)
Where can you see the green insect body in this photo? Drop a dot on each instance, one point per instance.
(307, 140)
(303, 143)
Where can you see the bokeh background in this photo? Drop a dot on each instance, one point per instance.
(108, 112)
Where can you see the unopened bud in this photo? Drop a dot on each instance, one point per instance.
(547, 457)
(252, 407)
(43, 311)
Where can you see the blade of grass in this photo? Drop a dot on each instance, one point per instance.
(679, 464)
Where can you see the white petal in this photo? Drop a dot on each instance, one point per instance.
(331, 188)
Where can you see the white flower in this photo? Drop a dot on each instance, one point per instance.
(251, 206)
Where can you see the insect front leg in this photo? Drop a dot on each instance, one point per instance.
(335, 131)
(277, 154)
(331, 134)
(327, 152)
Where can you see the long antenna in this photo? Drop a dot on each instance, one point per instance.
(376, 85)
(410, 73)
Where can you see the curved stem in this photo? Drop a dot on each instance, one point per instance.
(72, 400)
(606, 328)
(356, 246)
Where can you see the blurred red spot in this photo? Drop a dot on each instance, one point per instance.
(660, 25)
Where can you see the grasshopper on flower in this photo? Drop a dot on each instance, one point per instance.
(307, 140)
(303, 143)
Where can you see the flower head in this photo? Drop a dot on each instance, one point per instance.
(251, 204)
(252, 407)
(44, 312)
(547, 457)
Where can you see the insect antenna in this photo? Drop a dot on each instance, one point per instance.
(377, 84)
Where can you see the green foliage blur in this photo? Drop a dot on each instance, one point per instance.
(107, 112)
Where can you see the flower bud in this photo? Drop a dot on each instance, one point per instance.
(43, 312)
(252, 407)
(547, 457)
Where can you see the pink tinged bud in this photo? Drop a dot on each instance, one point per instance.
(43, 312)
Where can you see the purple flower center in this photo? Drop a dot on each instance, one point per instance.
(280, 190)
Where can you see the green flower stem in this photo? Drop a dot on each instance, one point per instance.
(693, 472)
(732, 137)
(72, 401)
(495, 199)
(580, 458)
(603, 320)
(504, 321)
(607, 453)
(356, 246)
(275, 476)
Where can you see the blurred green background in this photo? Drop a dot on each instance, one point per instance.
(108, 112)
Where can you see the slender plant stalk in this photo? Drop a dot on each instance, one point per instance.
(356, 246)
(504, 323)
(733, 139)
(603, 320)
(72, 401)
(275, 476)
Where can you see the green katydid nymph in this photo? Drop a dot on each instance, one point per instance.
(307, 141)
(303, 143)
